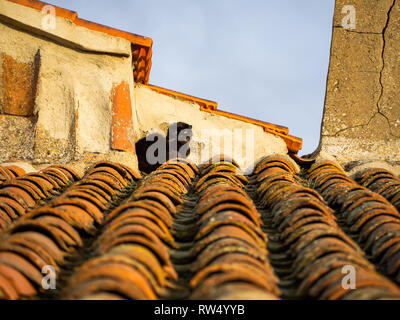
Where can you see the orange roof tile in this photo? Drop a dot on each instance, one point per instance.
(203, 103)
(294, 144)
(9, 173)
(200, 232)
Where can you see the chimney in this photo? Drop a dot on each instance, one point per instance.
(361, 121)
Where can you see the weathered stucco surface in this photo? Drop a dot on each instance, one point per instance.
(155, 112)
(73, 98)
(362, 109)
(16, 137)
(63, 32)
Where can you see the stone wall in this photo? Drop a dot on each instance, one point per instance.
(361, 119)
(65, 93)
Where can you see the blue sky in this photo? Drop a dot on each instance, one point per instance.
(260, 58)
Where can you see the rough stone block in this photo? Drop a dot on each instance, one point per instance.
(16, 138)
(122, 133)
(18, 89)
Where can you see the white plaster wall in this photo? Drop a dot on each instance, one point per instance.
(156, 111)
(71, 82)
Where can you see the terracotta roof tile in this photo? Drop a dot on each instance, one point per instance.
(10, 172)
(229, 246)
(132, 236)
(206, 232)
(21, 194)
(55, 229)
(366, 215)
(305, 232)
(383, 182)
(294, 144)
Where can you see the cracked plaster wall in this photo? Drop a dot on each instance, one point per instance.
(73, 104)
(361, 119)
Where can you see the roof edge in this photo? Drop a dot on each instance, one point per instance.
(294, 144)
(73, 17)
(141, 45)
(204, 104)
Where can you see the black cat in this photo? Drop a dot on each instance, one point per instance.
(155, 149)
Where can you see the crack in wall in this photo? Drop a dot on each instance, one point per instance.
(390, 126)
(365, 125)
(351, 127)
(378, 104)
(358, 32)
